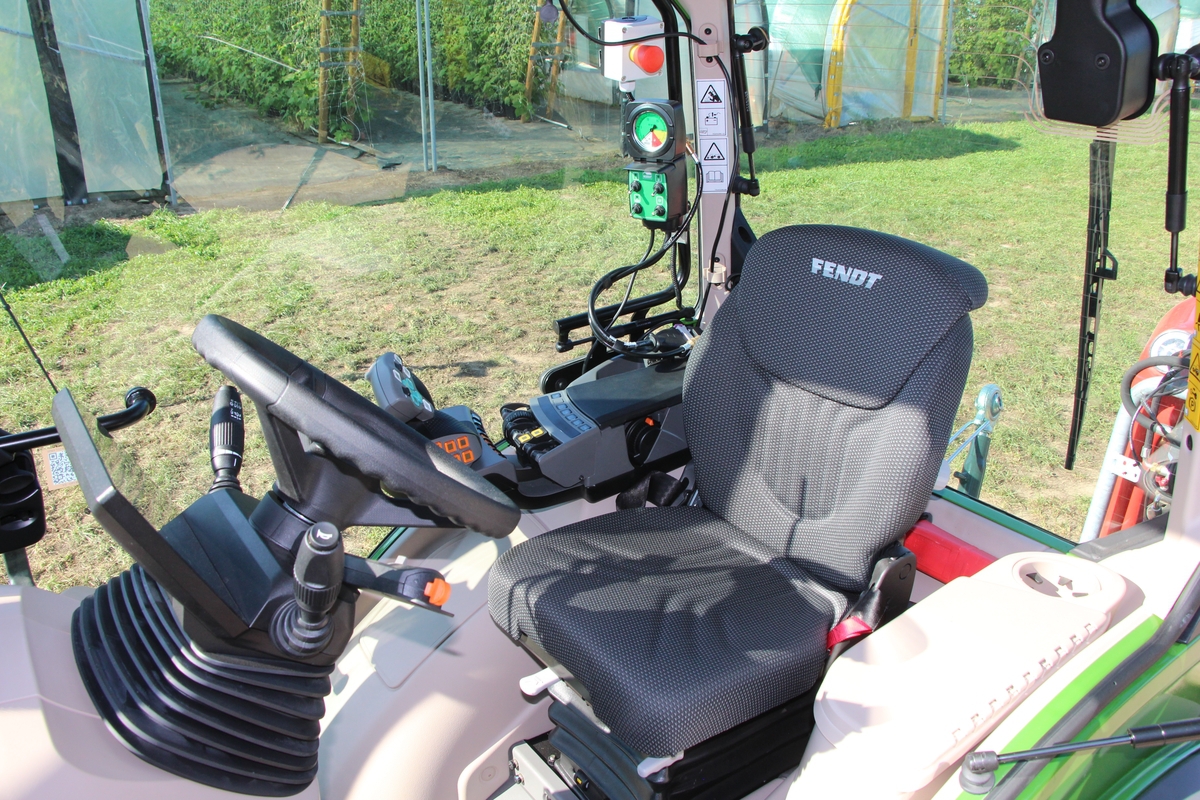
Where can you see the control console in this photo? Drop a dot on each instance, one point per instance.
(599, 434)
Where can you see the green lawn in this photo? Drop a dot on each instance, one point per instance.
(465, 283)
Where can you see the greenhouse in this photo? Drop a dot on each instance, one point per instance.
(836, 61)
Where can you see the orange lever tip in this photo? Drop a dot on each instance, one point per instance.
(438, 592)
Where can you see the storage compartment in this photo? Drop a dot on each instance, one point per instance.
(902, 706)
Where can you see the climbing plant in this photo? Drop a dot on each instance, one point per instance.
(480, 47)
(264, 52)
(276, 68)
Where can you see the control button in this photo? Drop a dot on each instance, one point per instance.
(585, 427)
(660, 211)
(635, 186)
(572, 417)
(637, 207)
(557, 394)
(660, 188)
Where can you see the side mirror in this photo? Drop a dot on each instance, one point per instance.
(1097, 68)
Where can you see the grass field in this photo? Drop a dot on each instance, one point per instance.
(464, 284)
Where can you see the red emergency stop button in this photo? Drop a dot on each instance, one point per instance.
(648, 57)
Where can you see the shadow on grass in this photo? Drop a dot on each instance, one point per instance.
(924, 142)
(551, 180)
(467, 369)
(917, 144)
(29, 260)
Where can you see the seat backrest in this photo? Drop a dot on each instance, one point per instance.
(820, 398)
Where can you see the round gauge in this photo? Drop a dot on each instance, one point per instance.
(650, 132)
(1170, 342)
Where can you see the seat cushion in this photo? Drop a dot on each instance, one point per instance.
(679, 625)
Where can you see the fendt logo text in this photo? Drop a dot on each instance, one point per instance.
(854, 277)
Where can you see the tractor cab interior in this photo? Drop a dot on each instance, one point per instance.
(706, 561)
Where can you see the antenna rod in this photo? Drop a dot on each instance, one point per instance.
(28, 343)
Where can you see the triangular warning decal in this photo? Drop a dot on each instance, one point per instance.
(711, 96)
(714, 153)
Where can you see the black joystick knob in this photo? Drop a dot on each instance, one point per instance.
(226, 439)
(302, 625)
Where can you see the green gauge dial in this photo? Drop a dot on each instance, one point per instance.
(650, 132)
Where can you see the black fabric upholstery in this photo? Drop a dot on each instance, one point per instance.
(803, 319)
(826, 484)
(817, 406)
(679, 625)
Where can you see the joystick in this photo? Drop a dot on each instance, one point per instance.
(302, 627)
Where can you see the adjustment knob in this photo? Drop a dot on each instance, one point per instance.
(635, 186)
(637, 208)
(320, 565)
(301, 626)
(660, 211)
(659, 188)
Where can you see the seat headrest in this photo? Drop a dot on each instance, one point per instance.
(847, 313)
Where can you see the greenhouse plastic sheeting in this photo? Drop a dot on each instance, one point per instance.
(30, 166)
(104, 59)
(884, 72)
(877, 73)
(800, 38)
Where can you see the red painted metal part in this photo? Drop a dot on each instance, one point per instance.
(1125, 504)
(943, 556)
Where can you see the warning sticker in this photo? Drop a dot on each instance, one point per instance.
(711, 119)
(712, 133)
(714, 161)
(711, 92)
(1193, 394)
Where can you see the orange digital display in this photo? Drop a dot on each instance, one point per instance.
(459, 447)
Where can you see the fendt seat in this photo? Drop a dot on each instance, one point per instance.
(817, 405)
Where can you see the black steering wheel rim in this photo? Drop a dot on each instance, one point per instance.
(353, 429)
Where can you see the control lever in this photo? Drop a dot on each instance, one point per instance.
(226, 439)
(978, 773)
(301, 626)
(419, 586)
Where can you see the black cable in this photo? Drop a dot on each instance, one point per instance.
(28, 343)
(605, 283)
(675, 277)
(632, 278)
(679, 34)
(1179, 362)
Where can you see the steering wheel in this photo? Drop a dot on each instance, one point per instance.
(352, 429)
